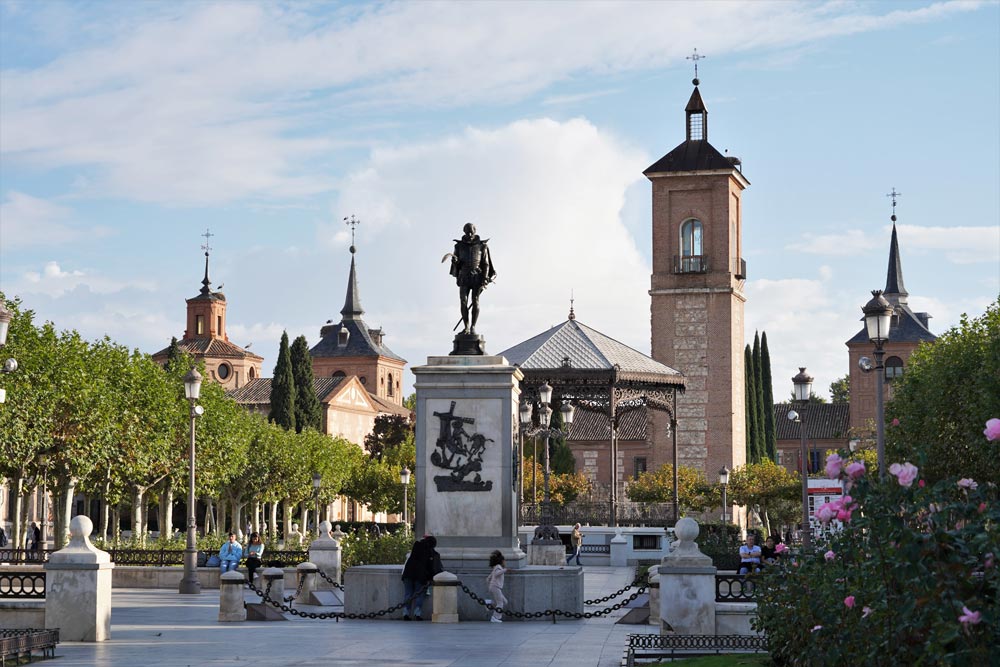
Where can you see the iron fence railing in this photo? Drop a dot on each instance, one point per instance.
(733, 588)
(22, 585)
(18, 644)
(599, 514)
(153, 557)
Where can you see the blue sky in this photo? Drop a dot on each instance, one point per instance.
(127, 129)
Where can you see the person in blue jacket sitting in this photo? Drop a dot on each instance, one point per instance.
(230, 554)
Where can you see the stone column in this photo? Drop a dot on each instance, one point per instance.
(687, 586)
(324, 553)
(231, 607)
(307, 575)
(275, 578)
(445, 598)
(619, 550)
(654, 595)
(78, 587)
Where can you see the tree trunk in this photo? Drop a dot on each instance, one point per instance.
(220, 522)
(19, 514)
(105, 517)
(66, 490)
(272, 522)
(167, 511)
(209, 523)
(138, 528)
(237, 521)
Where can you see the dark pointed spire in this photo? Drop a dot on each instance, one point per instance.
(895, 292)
(206, 283)
(352, 309)
(697, 117)
(572, 315)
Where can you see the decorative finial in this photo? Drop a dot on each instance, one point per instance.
(205, 281)
(695, 57)
(572, 315)
(894, 195)
(352, 222)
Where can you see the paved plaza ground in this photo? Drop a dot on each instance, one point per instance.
(161, 627)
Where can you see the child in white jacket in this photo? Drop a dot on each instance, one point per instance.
(495, 583)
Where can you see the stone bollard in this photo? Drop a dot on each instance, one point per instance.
(275, 578)
(619, 550)
(306, 576)
(687, 586)
(654, 595)
(445, 598)
(78, 587)
(231, 607)
(324, 552)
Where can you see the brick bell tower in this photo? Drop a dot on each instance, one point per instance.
(697, 294)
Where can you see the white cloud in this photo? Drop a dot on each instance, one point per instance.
(211, 102)
(961, 245)
(52, 280)
(845, 244)
(27, 220)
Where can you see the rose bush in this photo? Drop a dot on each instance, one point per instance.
(912, 578)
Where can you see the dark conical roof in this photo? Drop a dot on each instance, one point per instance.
(695, 104)
(895, 292)
(352, 309)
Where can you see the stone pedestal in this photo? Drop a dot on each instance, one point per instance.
(78, 587)
(546, 554)
(619, 550)
(687, 586)
(231, 608)
(275, 578)
(654, 595)
(324, 553)
(306, 574)
(445, 598)
(465, 470)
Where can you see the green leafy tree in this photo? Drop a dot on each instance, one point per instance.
(840, 390)
(942, 402)
(283, 388)
(753, 445)
(174, 353)
(388, 432)
(813, 397)
(308, 411)
(767, 386)
(410, 402)
(766, 488)
(694, 493)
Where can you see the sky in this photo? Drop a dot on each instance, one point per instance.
(129, 129)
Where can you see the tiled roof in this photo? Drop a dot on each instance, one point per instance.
(585, 349)
(211, 347)
(824, 421)
(906, 328)
(389, 408)
(258, 390)
(359, 342)
(593, 425)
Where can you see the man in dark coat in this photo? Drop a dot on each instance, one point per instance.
(472, 267)
(424, 562)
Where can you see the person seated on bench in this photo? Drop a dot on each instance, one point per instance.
(749, 556)
(230, 554)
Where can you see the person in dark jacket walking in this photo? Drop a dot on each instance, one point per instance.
(424, 562)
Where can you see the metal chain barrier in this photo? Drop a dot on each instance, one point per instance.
(639, 580)
(553, 612)
(328, 579)
(265, 596)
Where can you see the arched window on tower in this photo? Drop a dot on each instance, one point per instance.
(389, 385)
(893, 368)
(691, 259)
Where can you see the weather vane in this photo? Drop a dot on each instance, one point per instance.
(207, 236)
(352, 222)
(894, 195)
(695, 57)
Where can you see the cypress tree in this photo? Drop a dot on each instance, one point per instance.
(770, 440)
(174, 354)
(283, 388)
(751, 406)
(758, 379)
(308, 412)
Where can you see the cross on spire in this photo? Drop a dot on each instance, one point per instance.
(695, 57)
(207, 236)
(894, 196)
(352, 222)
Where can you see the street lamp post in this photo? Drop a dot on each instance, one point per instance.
(190, 583)
(317, 481)
(802, 384)
(724, 481)
(525, 414)
(544, 418)
(404, 479)
(878, 319)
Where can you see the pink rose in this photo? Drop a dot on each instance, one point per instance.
(817, 627)
(780, 548)
(895, 422)
(988, 560)
(905, 473)
(921, 484)
(826, 513)
(982, 507)
(849, 602)
(992, 431)
(855, 469)
(967, 483)
(834, 466)
(969, 617)
(829, 555)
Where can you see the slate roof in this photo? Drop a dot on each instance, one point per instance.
(824, 421)
(694, 155)
(359, 342)
(258, 390)
(211, 347)
(587, 350)
(592, 425)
